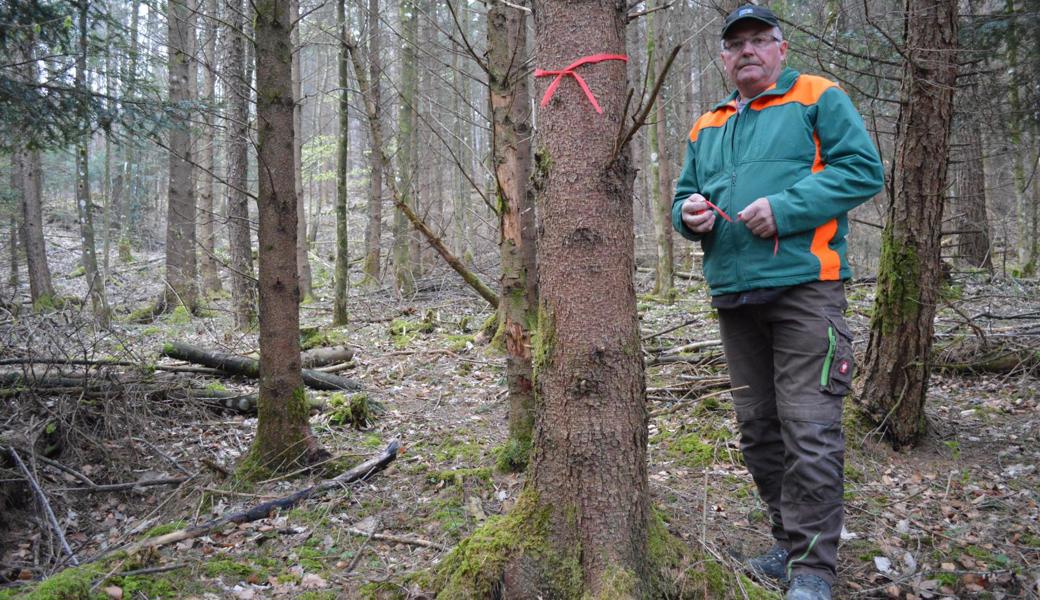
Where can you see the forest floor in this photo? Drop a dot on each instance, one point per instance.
(956, 517)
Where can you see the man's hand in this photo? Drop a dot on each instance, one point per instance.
(696, 216)
(758, 216)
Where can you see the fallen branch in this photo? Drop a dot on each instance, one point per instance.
(42, 498)
(323, 357)
(118, 487)
(397, 539)
(260, 511)
(247, 367)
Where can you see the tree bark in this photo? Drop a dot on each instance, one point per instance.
(207, 211)
(342, 275)
(283, 438)
(243, 285)
(374, 227)
(588, 469)
(181, 289)
(510, 107)
(898, 351)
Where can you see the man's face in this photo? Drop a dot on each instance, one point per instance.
(754, 60)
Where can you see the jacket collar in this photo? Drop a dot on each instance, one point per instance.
(783, 84)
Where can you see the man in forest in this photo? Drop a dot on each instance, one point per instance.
(769, 177)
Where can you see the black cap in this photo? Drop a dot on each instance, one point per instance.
(750, 11)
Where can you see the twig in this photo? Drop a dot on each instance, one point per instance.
(46, 505)
(398, 539)
(361, 551)
(671, 329)
(633, 16)
(118, 487)
(682, 403)
(640, 119)
(151, 570)
(168, 458)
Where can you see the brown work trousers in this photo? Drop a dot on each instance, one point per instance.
(793, 358)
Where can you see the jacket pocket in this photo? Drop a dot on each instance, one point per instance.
(838, 364)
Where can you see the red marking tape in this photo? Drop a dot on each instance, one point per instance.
(595, 58)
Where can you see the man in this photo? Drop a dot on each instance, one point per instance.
(769, 177)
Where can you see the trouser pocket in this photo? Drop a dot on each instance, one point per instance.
(838, 365)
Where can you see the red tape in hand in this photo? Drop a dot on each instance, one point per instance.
(722, 213)
(595, 58)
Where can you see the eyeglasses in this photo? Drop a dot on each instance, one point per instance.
(758, 42)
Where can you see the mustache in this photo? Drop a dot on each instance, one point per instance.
(746, 63)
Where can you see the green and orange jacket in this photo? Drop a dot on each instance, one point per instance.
(802, 145)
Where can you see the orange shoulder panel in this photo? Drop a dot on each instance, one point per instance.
(715, 118)
(806, 90)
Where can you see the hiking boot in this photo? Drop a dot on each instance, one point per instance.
(808, 587)
(772, 564)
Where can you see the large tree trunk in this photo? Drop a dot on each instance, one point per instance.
(407, 121)
(342, 275)
(207, 210)
(243, 286)
(899, 348)
(95, 283)
(283, 436)
(589, 462)
(374, 227)
(510, 100)
(180, 222)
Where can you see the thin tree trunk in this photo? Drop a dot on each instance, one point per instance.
(660, 176)
(181, 289)
(302, 247)
(95, 283)
(27, 178)
(342, 275)
(13, 275)
(129, 166)
(207, 211)
(510, 103)
(376, 140)
(974, 244)
(374, 228)
(243, 287)
(283, 436)
(407, 120)
(899, 348)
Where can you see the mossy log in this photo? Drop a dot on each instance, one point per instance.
(989, 360)
(247, 367)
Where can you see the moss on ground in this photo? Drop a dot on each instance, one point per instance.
(70, 584)
(512, 456)
(164, 529)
